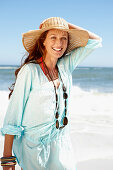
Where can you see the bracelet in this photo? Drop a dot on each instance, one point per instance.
(8, 161)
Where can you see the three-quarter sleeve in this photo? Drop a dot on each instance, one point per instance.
(16, 106)
(72, 60)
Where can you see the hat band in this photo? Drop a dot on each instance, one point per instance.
(54, 26)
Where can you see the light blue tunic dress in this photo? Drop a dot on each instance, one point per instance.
(30, 115)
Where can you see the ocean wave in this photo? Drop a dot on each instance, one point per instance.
(82, 68)
(86, 107)
(78, 90)
(4, 68)
(83, 103)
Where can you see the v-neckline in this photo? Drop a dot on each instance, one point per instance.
(48, 79)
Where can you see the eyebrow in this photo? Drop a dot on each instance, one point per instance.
(55, 34)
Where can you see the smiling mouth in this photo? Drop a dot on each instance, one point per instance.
(57, 49)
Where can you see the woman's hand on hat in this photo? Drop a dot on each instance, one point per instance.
(91, 35)
(40, 26)
(71, 26)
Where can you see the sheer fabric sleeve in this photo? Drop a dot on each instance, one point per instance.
(16, 106)
(72, 60)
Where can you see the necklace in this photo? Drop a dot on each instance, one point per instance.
(65, 96)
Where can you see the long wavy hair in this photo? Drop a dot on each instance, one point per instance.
(34, 57)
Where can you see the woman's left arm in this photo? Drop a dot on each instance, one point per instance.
(91, 35)
(76, 56)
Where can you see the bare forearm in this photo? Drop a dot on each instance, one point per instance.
(91, 35)
(8, 142)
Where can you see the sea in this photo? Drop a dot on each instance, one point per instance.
(91, 110)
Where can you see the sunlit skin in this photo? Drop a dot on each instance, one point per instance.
(55, 45)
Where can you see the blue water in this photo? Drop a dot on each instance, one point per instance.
(87, 78)
(98, 78)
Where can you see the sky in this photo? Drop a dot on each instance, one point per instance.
(20, 16)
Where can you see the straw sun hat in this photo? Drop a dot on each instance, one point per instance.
(77, 38)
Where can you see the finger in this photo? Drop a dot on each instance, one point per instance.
(40, 26)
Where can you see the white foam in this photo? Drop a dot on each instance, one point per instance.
(4, 67)
(92, 109)
(91, 102)
(91, 116)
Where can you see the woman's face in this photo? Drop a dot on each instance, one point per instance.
(55, 43)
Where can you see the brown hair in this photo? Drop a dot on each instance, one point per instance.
(33, 57)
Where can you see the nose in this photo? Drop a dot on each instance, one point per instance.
(58, 42)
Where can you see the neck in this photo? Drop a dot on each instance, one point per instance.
(50, 62)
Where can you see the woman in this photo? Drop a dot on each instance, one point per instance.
(37, 121)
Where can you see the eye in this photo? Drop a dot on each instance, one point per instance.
(64, 38)
(53, 37)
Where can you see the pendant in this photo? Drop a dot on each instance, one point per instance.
(65, 121)
(57, 124)
(64, 88)
(65, 95)
(57, 115)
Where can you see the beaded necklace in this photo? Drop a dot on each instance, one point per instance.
(65, 96)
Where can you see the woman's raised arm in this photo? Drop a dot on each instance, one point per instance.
(91, 35)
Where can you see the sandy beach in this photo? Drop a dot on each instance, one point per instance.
(96, 164)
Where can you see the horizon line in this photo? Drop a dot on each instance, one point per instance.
(13, 65)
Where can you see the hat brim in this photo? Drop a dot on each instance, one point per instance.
(77, 38)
